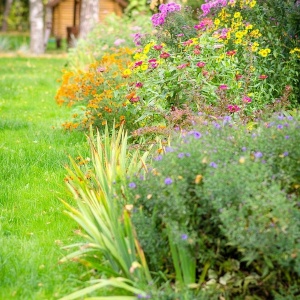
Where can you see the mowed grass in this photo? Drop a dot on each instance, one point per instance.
(33, 152)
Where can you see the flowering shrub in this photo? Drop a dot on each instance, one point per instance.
(227, 199)
(220, 65)
(94, 93)
(222, 62)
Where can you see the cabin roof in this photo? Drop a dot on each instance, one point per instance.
(53, 3)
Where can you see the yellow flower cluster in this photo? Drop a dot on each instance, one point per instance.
(254, 46)
(296, 51)
(264, 52)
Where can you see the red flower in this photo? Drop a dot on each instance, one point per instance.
(164, 55)
(197, 51)
(262, 77)
(231, 52)
(134, 99)
(238, 76)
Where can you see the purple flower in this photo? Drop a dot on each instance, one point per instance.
(168, 181)
(184, 237)
(216, 125)
(159, 157)
(188, 154)
(258, 154)
(280, 117)
(132, 185)
(285, 153)
(169, 149)
(226, 119)
(244, 149)
(197, 134)
(279, 126)
(287, 137)
(213, 164)
(290, 118)
(180, 155)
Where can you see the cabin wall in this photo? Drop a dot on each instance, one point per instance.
(62, 18)
(63, 15)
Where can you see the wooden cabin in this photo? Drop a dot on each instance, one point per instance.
(66, 15)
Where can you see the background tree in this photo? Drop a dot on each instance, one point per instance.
(89, 16)
(36, 26)
(8, 4)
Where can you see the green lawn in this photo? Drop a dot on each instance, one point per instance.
(33, 151)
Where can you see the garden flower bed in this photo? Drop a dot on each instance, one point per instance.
(211, 209)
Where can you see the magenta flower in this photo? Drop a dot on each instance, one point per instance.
(138, 85)
(157, 47)
(188, 42)
(233, 108)
(138, 63)
(182, 66)
(201, 64)
(223, 87)
(247, 99)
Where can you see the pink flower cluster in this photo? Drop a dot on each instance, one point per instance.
(206, 7)
(204, 24)
(159, 18)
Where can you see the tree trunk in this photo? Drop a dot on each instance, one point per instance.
(36, 26)
(8, 4)
(48, 25)
(89, 16)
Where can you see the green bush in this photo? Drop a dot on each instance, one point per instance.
(228, 199)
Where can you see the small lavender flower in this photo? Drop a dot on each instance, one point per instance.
(188, 154)
(132, 185)
(168, 181)
(290, 118)
(244, 149)
(279, 126)
(258, 154)
(213, 164)
(184, 237)
(169, 149)
(180, 155)
(226, 119)
(280, 117)
(197, 135)
(159, 157)
(285, 153)
(216, 125)
(287, 137)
